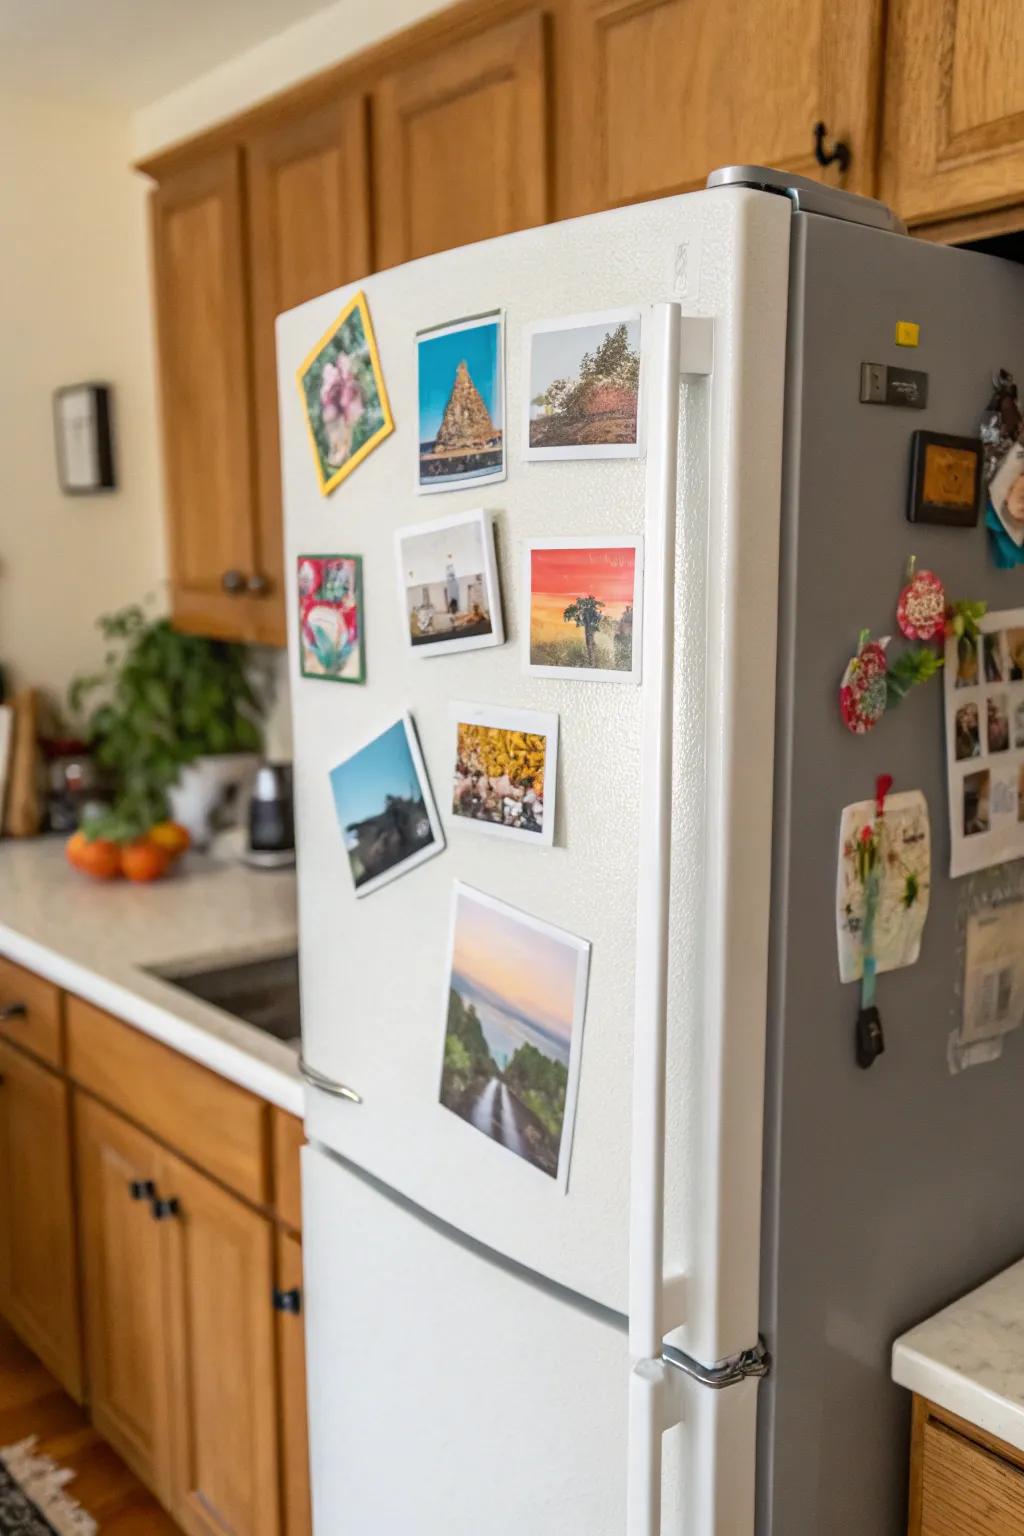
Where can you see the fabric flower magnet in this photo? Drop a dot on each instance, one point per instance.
(921, 610)
(862, 692)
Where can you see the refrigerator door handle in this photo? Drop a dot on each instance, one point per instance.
(328, 1084)
(675, 345)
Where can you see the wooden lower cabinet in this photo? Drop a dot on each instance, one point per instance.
(296, 1512)
(221, 1271)
(123, 1291)
(963, 1482)
(38, 1261)
(183, 1337)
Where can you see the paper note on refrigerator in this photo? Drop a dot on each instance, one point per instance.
(905, 853)
(993, 973)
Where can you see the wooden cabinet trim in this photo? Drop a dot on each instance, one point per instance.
(288, 1136)
(293, 1429)
(220, 1127)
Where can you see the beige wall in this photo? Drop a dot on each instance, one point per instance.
(74, 305)
(301, 50)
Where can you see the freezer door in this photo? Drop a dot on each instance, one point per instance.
(448, 1395)
(452, 1395)
(374, 970)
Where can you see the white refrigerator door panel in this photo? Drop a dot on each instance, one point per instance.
(447, 1396)
(374, 987)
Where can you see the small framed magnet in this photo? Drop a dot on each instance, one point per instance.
(945, 480)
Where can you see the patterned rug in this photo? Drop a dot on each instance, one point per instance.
(32, 1497)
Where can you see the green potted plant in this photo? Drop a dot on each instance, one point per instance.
(175, 721)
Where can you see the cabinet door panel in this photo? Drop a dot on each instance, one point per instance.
(309, 232)
(954, 139)
(665, 91)
(297, 1518)
(38, 1257)
(221, 1269)
(126, 1336)
(460, 143)
(202, 313)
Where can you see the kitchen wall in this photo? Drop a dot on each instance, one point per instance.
(74, 305)
(301, 50)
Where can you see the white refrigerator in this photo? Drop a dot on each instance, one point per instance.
(490, 1353)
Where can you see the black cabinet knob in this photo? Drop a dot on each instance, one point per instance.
(141, 1189)
(233, 582)
(162, 1209)
(258, 585)
(13, 1011)
(288, 1301)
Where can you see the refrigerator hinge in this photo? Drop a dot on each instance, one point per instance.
(756, 1362)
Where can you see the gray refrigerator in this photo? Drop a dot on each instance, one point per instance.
(887, 1191)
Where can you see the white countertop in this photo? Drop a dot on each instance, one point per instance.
(98, 938)
(969, 1358)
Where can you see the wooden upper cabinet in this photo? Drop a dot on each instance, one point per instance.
(309, 231)
(202, 321)
(954, 123)
(460, 142)
(127, 1343)
(665, 91)
(38, 1252)
(221, 1280)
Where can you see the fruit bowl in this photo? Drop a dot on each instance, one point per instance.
(139, 859)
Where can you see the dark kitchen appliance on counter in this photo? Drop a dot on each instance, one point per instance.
(271, 842)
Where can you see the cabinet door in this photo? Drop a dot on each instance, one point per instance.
(38, 1257)
(309, 231)
(297, 1519)
(954, 135)
(665, 91)
(123, 1290)
(460, 143)
(205, 371)
(220, 1257)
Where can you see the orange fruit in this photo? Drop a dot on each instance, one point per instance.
(99, 858)
(144, 860)
(171, 836)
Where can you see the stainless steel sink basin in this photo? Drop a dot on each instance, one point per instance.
(264, 993)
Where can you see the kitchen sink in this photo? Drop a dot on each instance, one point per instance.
(264, 993)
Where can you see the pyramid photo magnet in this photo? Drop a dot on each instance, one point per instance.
(344, 401)
(460, 371)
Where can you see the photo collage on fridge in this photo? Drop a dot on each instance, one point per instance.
(516, 985)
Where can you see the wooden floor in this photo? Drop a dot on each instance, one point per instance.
(31, 1403)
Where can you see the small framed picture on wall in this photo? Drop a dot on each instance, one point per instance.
(85, 448)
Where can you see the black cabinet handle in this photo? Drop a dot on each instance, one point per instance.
(288, 1301)
(839, 154)
(13, 1011)
(141, 1189)
(162, 1209)
(233, 582)
(257, 585)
